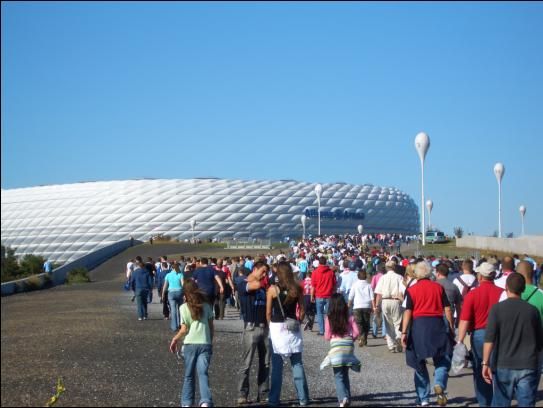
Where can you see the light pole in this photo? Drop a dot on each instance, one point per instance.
(429, 205)
(499, 171)
(422, 144)
(192, 225)
(522, 210)
(303, 219)
(360, 228)
(318, 192)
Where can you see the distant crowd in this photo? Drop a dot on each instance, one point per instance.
(351, 287)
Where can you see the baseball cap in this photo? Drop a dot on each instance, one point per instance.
(486, 269)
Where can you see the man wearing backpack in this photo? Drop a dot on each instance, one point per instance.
(467, 281)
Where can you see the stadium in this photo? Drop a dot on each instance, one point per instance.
(65, 222)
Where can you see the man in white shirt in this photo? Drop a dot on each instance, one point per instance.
(508, 267)
(388, 299)
(467, 281)
(129, 268)
(348, 277)
(362, 302)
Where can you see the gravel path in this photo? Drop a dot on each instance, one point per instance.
(90, 337)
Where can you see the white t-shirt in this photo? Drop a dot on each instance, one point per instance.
(361, 295)
(468, 279)
(501, 281)
(129, 269)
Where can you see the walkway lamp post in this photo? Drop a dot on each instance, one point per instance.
(318, 192)
(499, 171)
(422, 144)
(360, 228)
(522, 210)
(192, 225)
(303, 219)
(429, 205)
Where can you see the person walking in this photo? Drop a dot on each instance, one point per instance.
(452, 292)
(467, 280)
(473, 317)
(377, 317)
(341, 330)
(141, 283)
(162, 271)
(308, 304)
(347, 278)
(324, 283)
(514, 332)
(206, 278)
(282, 299)
(388, 300)
(361, 300)
(429, 336)
(252, 298)
(173, 293)
(197, 334)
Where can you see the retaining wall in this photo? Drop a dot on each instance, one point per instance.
(531, 245)
(58, 277)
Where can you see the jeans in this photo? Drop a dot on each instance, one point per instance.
(518, 384)
(175, 299)
(150, 296)
(253, 341)
(422, 379)
(322, 309)
(298, 375)
(374, 325)
(165, 304)
(343, 386)
(220, 303)
(141, 298)
(197, 357)
(483, 391)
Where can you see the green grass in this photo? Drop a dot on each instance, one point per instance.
(78, 275)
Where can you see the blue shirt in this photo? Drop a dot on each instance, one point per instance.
(160, 277)
(47, 267)
(174, 280)
(249, 264)
(205, 278)
(140, 279)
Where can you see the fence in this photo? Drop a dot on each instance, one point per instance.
(249, 244)
(58, 276)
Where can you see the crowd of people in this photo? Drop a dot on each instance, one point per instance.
(425, 307)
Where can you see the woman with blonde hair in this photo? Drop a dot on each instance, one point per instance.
(284, 297)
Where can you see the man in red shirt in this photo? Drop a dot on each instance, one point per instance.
(324, 282)
(475, 310)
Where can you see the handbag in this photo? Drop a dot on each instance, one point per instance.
(292, 325)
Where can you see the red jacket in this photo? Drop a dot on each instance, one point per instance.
(323, 280)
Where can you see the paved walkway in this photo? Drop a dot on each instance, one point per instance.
(89, 335)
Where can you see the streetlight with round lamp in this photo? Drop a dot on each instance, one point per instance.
(318, 193)
(192, 225)
(499, 171)
(522, 210)
(422, 144)
(429, 205)
(303, 219)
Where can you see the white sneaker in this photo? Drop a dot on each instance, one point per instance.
(344, 403)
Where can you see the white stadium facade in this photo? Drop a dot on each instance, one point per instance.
(65, 222)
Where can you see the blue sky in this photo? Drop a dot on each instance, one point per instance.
(317, 92)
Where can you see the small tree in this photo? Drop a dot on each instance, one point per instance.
(458, 232)
(10, 267)
(32, 264)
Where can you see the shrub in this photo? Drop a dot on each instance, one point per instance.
(78, 275)
(10, 267)
(32, 264)
(34, 283)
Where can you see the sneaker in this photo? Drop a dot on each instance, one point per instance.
(423, 404)
(145, 318)
(242, 401)
(140, 319)
(344, 403)
(440, 395)
(399, 348)
(361, 343)
(393, 350)
(204, 404)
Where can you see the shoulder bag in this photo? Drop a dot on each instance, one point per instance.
(292, 325)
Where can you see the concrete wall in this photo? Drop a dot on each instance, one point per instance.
(58, 277)
(531, 245)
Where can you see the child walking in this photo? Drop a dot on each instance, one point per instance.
(341, 330)
(197, 331)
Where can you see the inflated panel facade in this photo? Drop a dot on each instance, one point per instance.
(64, 222)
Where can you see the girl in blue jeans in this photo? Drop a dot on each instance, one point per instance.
(341, 330)
(197, 331)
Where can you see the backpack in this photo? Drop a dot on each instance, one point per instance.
(466, 288)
